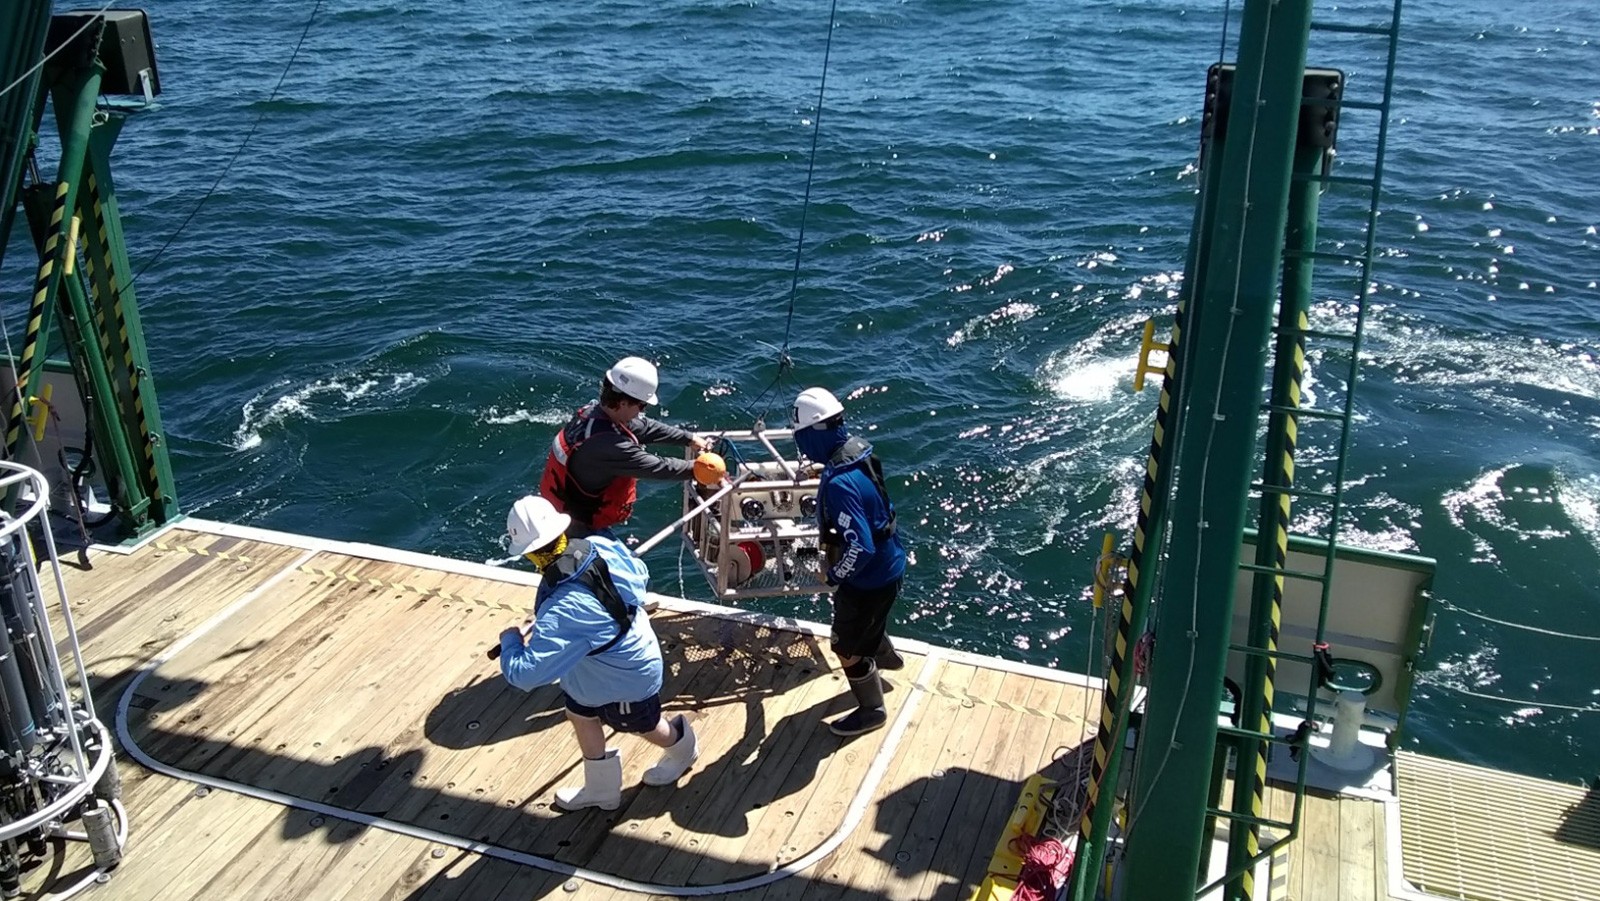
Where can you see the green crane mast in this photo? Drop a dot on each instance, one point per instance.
(1222, 461)
(83, 67)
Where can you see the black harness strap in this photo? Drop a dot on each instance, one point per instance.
(597, 578)
(852, 449)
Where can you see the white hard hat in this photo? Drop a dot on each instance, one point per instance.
(814, 406)
(635, 377)
(533, 523)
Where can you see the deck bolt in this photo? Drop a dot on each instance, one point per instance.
(571, 885)
(436, 853)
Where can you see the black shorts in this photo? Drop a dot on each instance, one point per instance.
(861, 617)
(623, 716)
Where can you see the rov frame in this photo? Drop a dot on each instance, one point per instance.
(761, 538)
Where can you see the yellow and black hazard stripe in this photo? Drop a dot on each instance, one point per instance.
(1280, 558)
(30, 341)
(121, 325)
(1114, 688)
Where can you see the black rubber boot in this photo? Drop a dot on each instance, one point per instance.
(887, 657)
(869, 713)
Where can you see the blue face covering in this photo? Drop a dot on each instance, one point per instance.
(819, 444)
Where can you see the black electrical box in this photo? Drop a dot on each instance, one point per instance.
(126, 50)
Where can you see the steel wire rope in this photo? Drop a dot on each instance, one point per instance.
(785, 363)
(1158, 589)
(236, 153)
(16, 387)
(5, 332)
(1575, 636)
(1519, 702)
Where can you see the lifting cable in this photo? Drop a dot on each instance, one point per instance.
(785, 363)
(1514, 625)
(265, 108)
(1518, 702)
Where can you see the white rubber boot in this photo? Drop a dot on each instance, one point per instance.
(676, 760)
(602, 785)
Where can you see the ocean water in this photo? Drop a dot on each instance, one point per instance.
(451, 218)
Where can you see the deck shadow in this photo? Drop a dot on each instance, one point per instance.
(1580, 824)
(759, 693)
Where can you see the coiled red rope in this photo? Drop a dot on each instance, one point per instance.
(1046, 863)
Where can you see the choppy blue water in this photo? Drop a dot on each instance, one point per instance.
(453, 216)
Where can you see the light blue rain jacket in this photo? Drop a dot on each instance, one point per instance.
(571, 622)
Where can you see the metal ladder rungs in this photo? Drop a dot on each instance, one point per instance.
(1293, 492)
(1263, 652)
(1286, 573)
(1301, 412)
(1267, 822)
(1364, 104)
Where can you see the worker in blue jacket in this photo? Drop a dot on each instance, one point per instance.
(589, 630)
(863, 555)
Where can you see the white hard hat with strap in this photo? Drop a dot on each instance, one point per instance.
(815, 406)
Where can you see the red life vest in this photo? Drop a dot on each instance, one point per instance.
(614, 503)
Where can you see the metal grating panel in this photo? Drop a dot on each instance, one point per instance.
(1478, 834)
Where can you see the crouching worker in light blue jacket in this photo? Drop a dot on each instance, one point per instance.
(589, 630)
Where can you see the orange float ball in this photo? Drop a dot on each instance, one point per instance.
(709, 468)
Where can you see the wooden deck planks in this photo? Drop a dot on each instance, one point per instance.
(224, 725)
(1320, 848)
(1013, 758)
(728, 786)
(666, 819)
(865, 867)
(1357, 858)
(981, 727)
(363, 693)
(120, 633)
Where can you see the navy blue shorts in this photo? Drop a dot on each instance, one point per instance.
(623, 716)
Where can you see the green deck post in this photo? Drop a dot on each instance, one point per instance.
(98, 392)
(1216, 462)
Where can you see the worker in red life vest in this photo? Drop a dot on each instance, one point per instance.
(596, 460)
